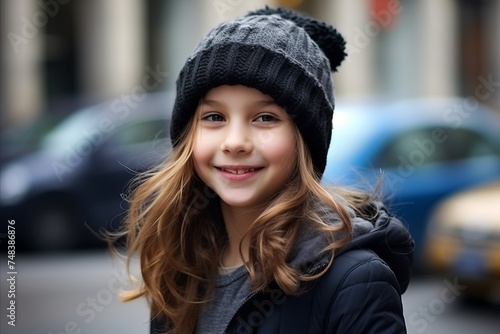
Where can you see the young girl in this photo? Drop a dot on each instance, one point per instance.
(235, 232)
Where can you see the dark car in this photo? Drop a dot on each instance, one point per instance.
(20, 140)
(71, 186)
(425, 149)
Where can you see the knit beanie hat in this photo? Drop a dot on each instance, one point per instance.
(283, 54)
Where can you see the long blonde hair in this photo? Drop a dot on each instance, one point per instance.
(170, 225)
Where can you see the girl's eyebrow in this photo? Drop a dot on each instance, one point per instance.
(264, 103)
(216, 103)
(213, 103)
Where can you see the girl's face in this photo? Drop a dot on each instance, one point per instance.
(244, 145)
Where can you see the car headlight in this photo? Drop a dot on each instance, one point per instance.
(15, 181)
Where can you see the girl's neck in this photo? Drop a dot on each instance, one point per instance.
(237, 222)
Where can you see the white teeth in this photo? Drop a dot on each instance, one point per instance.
(238, 171)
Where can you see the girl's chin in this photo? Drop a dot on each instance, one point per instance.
(239, 201)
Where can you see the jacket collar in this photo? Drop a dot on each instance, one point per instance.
(384, 234)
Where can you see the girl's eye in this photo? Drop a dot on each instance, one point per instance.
(266, 118)
(213, 118)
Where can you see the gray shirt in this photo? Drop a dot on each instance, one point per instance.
(231, 290)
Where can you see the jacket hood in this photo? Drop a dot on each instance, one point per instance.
(384, 234)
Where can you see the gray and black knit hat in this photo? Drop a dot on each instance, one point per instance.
(284, 54)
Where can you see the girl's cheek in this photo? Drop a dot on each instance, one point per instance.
(202, 149)
(197, 152)
(265, 138)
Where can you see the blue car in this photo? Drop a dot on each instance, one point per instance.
(421, 150)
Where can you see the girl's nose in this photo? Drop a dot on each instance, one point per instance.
(237, 140)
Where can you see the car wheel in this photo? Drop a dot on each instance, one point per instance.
(54, 227)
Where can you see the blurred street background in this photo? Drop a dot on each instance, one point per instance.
(85, 98)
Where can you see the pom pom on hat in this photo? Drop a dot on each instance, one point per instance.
(327, 37)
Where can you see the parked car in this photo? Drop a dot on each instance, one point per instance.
(463, 240)
(72, 184)
(426, 149)
(20, 140)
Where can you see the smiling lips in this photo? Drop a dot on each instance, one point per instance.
(238, 173)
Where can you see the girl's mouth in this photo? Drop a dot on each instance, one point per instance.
(237, 171)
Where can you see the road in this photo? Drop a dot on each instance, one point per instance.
(77, 293)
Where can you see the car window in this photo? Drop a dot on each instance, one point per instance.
(433, 145)
(141, 132)
(465, 144)
(70, 131)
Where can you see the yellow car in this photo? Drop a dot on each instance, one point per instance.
(463, 240)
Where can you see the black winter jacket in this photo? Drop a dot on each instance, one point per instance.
(360, 292)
